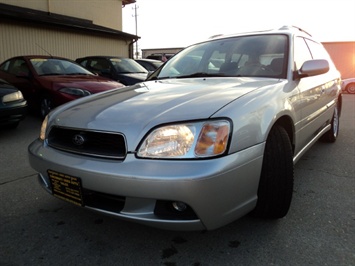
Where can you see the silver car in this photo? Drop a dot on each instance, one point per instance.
(348, 85)
(211, 136)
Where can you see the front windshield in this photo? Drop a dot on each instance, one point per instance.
(247, 56)
(127, 65)
(54, 66)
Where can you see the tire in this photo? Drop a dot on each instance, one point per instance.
(332, 134)
(276, 180)
(45, 106)
(351, 88)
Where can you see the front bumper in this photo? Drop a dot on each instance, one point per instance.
(218, 191)
(12, 115)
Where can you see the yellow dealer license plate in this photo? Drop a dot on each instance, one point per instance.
(66, 187)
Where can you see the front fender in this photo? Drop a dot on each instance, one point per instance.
(253, 117)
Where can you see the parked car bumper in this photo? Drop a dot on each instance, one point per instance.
(217, 191)
(12, 115)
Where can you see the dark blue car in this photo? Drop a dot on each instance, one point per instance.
(13, 106)
(121, 69)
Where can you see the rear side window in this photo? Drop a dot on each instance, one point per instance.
(301, 52)
(99, 64)
(83, 63)
(5, 66)
(318, 51)
(15, 66)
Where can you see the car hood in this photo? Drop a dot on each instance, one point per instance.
(94, 84)
(6, 89)
(134, 110)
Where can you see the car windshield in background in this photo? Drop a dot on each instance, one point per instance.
(44, 66)
(247, 56)
(127, 65)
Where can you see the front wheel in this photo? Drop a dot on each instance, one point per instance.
(46, 106)
(276, 180)
(351, 88)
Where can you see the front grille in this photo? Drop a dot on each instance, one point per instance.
(90, 143)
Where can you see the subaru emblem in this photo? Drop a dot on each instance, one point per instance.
(78, 140)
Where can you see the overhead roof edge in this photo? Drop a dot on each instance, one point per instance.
(20, 14)
(127, 2)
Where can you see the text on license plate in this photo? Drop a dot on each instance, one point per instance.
(66, 187)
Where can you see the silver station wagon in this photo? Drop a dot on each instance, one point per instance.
(211, 136)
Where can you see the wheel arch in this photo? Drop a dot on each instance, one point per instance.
(340, 103)
(286, 122)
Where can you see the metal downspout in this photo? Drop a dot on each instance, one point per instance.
(131, 49)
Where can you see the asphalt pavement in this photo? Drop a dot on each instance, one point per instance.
(38, 229)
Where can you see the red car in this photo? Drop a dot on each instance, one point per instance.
(49, 81)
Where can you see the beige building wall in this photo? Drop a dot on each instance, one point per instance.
(147, 52)
(26, 40)
(343, 55)
(106, 13)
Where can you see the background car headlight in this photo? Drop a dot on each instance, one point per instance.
(191, 140)
(75, 91)
(15, 96)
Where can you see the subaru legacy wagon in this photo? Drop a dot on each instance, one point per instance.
(209, 137)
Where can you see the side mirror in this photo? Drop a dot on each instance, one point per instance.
(312, 68)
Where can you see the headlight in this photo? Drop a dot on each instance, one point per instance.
(42, 134)
(15, 96)
(191, 140)
(75, 91)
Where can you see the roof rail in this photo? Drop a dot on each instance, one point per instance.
(286, 27)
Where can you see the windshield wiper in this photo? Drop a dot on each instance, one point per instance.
(78, 73)
(51, 74)
(200, 75)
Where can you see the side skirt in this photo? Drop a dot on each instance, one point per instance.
(310, 144)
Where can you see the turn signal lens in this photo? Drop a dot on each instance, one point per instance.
(213, 139)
